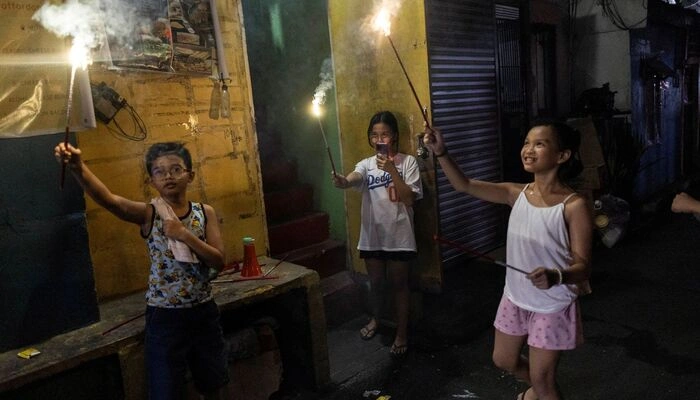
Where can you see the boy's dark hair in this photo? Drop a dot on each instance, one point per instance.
(167, 148)
(388, 118)
(568, 138)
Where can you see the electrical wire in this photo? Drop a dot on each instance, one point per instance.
(139, 127)
(613, 14)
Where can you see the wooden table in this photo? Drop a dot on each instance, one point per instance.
(294, 298)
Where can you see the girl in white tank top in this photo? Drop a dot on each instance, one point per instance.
(549, 236)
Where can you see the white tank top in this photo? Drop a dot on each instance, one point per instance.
(537, 237)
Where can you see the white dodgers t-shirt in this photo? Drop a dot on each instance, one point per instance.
(387, 224)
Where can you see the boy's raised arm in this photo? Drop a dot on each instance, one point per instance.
(123, 208)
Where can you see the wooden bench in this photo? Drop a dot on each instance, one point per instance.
(113, 347)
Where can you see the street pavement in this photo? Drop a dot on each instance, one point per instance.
(641, 330)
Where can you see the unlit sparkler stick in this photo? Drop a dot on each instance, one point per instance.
(476, 253)
(413, 90)
(134, 318)
(278, 263)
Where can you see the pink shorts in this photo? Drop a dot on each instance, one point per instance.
(556, 331)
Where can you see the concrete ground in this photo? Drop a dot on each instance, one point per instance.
(641, 341)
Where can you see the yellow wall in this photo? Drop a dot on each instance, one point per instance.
(369, 79)
(224, 154)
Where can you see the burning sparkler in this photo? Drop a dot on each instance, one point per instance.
(320, 98)
(381, 22)
(316, 110)
(79, 58)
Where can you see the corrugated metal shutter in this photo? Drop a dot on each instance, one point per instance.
(464, 100)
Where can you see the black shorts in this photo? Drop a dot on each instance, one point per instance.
(389, 255)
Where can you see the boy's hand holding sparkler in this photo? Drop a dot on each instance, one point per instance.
(67, 155)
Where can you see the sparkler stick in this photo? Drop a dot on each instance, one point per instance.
(381, 22)
(134, 318)
(254, 278)
(79, 57)
(413, 90)
(68, 110)
(276, 265)
(476, 253)
(317, 112)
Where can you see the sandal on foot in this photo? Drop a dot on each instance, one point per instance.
(367, 333)
(521, 396)
(398, 350)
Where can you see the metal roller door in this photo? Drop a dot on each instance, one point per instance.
(464, 101)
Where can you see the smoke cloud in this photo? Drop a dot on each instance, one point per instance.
(90, 23)
(326, 84)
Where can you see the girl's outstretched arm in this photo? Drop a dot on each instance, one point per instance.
(502, 193)
(344, 182)
(123, 208)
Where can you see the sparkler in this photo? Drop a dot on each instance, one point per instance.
(476, 253)
(79, 58)
(316, 110)
(381, 23)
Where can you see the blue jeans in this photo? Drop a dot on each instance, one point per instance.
(178, 338)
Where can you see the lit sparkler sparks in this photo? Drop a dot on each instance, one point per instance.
(317, 111)
(79, 58)
(382, 22)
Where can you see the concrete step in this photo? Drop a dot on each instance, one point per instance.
(288, 203)
(304, 231)
(326, 258)
(342, 298)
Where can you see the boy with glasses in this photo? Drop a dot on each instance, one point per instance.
(184, 243)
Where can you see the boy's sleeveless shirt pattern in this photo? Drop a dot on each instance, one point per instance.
(174, 284)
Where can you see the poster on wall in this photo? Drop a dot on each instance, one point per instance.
(35, 76)
(177, 36)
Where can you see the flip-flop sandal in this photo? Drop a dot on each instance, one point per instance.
(367, 333)
(398, 350)
(521, 396)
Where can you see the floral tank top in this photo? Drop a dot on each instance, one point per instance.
(171, 283)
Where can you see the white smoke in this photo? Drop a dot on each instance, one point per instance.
(90, 22)
(326, 84)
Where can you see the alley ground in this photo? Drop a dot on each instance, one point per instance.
(641, 330)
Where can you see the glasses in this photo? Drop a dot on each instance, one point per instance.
(175, 172)
(380, 135)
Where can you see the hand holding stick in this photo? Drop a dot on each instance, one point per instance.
(63, 165)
